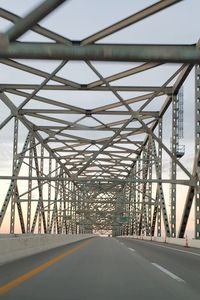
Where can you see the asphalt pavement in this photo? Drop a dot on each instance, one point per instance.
(103, 268)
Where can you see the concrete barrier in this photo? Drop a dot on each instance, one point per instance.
(175, 241)
(13, 247)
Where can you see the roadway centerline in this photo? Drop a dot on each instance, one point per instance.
(167, 272)
(17, 281)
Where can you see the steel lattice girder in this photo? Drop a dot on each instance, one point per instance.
(99, 182)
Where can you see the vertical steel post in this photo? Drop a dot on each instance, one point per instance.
(13, 198)
(138, 194)
(77, 210)
(130, 209)
(55, 224)
(149, 190)
(60, 203)
(134, 215)
(64, 218)
(30, 171)
(49, 195)
(173, 166)
(41, 191)
(154, 216)
(159, 224)
(197, 145)
(144, 225)
(20, 212)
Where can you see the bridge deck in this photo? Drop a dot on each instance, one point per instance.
(105, 268)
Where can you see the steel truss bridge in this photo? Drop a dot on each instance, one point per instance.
(99, 168)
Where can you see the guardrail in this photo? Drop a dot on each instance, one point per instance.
(176, 241)
(13, 247)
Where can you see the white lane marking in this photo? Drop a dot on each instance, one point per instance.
(132, 249)
(172, 275)
(175, 249)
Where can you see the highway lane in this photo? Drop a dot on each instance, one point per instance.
(182, 261)
(99, 269)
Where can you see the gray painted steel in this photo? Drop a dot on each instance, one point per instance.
(93, 166)
(129, 53)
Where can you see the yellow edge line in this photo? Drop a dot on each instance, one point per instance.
(12, 284)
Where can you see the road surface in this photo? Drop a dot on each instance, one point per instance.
(104, 269)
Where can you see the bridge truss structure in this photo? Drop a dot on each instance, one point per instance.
(77, 169)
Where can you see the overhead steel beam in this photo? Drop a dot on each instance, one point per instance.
(103, 52)
(111, 179)
(78, 110)
(141, 15)
(41, 73)
(32, 18)
(64, 111)
(115, 129)
(37, 28)
(167, 90)
(124, 74)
